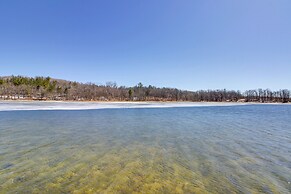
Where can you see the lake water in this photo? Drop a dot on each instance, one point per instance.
(211, 149)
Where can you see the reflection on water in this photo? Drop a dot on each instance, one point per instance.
(239, 149)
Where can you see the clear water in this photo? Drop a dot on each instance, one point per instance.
(235, 149)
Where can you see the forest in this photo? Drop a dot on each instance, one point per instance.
(46, 88)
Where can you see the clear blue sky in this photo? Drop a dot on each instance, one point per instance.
(188, 44)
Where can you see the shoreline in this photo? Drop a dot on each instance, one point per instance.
(137, 102)
(26, 105)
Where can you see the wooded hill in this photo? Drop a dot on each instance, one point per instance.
(46, 88)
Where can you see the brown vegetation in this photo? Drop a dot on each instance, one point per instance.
(45, 88)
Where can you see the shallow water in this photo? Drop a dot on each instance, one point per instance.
(230, 149)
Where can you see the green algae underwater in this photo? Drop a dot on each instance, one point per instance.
(235, 149)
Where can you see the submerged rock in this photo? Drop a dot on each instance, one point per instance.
(7, 165)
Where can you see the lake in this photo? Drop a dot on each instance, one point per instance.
(194, 149)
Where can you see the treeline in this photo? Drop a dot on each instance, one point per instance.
(46, 88)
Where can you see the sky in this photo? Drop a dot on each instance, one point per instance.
(187, 44)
